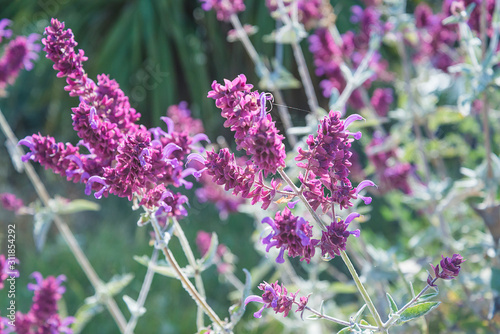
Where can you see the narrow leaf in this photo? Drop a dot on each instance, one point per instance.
(417, 311)
(392, 303)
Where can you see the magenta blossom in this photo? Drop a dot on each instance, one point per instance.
(290, 233)
(334, 239)
(223, 8)
(18, 54)
(276, 297)
(450, 268)
(11, 202)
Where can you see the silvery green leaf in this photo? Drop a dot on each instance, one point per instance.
(157, 268)
(358, 315)
(392, 303)
(451, 20)
(117, 283)
(84, 314)
(15, 155)
(286, 34)
(417, 311)
(42, 222)
(208, 259)
(133, 306)
(333, 97)
(427, 296)
(237, 310)
(464, 104)
(76, 206)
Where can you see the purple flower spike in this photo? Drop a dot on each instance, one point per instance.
(292, 234)
(450, 268)
(334, 239)
(276, 296)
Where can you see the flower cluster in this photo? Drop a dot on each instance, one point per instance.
(223, 8)
(17, 55)
(11, 202)
(43, 316)
(290, 233)
(123, 158)
(391, 173)
(327, 164)
(276, 296)
(329, 54)
(450, 268)
(246, 115)
(334, 239)
(435, 40)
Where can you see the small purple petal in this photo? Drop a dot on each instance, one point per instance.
(253, 298)
(169, 122)
(199, 137)
(292, 204)
(169, 149)
(351, 217)
(280, 258)
(352, 118)
(356, 233)
(93, 118)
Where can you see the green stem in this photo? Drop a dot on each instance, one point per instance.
(186, 283)
(362, 290)
(179, 232)
(300, 195)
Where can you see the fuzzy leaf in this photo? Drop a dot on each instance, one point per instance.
(77, 205)
(237, 310)
(417, 311)
(358, 315)
(392, 303)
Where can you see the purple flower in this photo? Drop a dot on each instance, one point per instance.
(255, 132)
(18, 54)
(7, 269)
(43, 316)
(381, 100)
(276, 297)
(11, 202)
(290, 233)
(450, 268)
(4, 32)
(335, 238)
(223, 8)
(391, 173)
(183, 122)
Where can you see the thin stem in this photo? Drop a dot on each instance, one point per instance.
(63, 228)
(341, 322)
(362, 289)
(146, 286)
(179, 232)
(186, 283)
(263, 71)
(302, 198)
(391, 321)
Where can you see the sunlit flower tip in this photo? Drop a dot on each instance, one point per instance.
(93, 118)
(169, 149)
(90, 182)
(263, 98)
(287, 188)
(361, 186)
(199, 137)
(157, 133)
(196, 157)
(354, 117)
(169, 122)
(144, 153)
(292, 204)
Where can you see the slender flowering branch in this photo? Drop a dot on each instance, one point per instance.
(186, 283)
